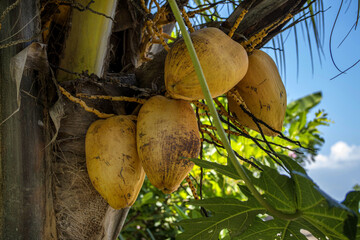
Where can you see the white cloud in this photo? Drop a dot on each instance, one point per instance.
(341, 155)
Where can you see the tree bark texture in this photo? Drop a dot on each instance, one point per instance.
(25, 200)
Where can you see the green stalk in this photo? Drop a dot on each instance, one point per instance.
(218, 125)
(88, 39)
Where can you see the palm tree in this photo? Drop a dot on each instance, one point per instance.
(45, 190)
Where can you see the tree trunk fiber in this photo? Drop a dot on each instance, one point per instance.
(24, 169)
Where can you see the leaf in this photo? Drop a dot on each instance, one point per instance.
(302, 120)
(352, 201)
(57, 112)
(226, 170)
(227, 213)
(304, 104)
(357, 14)
(320, 211)
(180, 212)
(34, 57)
(147, 198)
(278, 188)
(272, 229)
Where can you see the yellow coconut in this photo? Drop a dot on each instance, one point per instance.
(112, 162)
(167, 131)
(264, 94)
(223, 61)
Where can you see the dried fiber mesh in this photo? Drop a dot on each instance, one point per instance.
(79, 209)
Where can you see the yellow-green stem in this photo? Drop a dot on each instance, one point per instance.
(239, 168)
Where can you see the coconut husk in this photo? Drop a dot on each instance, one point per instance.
(81, 213)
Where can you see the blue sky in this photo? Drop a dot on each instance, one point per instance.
(338, 167)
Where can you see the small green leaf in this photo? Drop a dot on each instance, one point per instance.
(180, 212)
(352, 201)
(302, 120)
(147, 197)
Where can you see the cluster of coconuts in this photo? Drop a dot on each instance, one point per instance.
(119, 152)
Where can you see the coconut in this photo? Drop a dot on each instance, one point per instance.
(263, 93)
(112, 161)
(167, 134)
(224, 63)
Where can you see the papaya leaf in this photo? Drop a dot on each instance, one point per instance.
(227, 213)
(319, 211)
(278, 229)
(226, 170)
(278, 189)
(320, 214)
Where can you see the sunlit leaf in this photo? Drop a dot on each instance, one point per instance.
(318, 209)
(304, 104)
(318, 213)
(352, 201)
(227, 213)
(180, 212)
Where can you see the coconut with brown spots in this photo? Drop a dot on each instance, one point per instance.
(263, 93)
(167, 132)
(223, 61)
(112, 161)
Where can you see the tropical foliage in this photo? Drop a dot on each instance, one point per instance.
(228, 209)
(296, 204)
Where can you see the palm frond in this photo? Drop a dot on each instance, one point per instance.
(357, 15)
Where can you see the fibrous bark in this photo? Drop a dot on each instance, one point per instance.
(25, 200)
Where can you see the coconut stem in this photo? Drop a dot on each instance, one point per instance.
(239, 168)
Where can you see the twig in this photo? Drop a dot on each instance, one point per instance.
(83, 104)
(112, 98)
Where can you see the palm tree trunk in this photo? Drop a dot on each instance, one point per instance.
(25, 186)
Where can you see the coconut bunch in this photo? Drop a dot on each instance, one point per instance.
(119, 152)
(227, 66)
